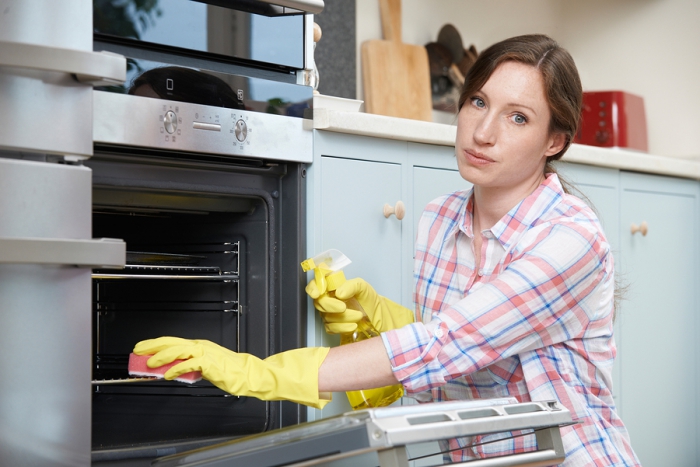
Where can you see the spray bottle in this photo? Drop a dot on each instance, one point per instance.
(328, 271)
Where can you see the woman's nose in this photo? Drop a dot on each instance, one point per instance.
(485, 130)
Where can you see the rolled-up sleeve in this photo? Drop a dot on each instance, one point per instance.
(549, 291)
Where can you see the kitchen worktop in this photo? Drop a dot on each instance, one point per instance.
(379, 126)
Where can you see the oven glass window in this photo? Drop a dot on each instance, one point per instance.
(198, 86)
(203, 27)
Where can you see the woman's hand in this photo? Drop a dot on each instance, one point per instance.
(337, 317)
(291, 375)
(340, 317)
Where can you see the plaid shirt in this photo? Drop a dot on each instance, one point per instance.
(532, 321)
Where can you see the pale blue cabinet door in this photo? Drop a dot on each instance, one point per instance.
(353, 195)
(659, 366)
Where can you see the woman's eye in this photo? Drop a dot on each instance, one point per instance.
(519, 119)
(479, 102)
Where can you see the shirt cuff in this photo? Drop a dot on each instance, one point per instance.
(412, 352)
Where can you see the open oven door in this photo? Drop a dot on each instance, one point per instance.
(47, 70)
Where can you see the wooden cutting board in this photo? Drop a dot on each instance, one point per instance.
(395, 76)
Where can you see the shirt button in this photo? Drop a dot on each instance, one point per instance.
(481, 272)
(438, 333)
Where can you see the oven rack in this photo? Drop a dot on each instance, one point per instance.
(108, 360)
(154, 387)
(220, 306)
(138, 268)
(121, 361)
(184, 274)
(158, 386)
(100, 382)
(181, 263)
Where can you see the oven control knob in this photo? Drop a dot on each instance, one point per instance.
(170, 121)
(241, 130)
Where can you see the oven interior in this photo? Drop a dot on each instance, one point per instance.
(197, 268)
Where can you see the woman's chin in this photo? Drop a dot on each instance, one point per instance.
(476, 175)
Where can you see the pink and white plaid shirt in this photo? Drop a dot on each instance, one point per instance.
(532, 321)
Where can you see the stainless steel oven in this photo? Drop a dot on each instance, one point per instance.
(212, 250)
(177, 132)
(198, 165)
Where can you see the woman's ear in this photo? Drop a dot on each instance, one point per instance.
(557, 141)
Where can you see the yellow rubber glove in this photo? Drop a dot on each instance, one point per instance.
(339, 317)
(291, 375)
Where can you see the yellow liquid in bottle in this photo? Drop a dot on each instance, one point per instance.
(368, 398)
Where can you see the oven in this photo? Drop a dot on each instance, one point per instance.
(199, 164)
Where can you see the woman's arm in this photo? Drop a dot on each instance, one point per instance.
(558, 287)
(362, 365)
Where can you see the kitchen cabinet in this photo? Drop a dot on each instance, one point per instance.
(656, 327)
(659, 365)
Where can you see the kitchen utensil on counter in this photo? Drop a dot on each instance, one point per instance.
(462, 59)
(450, 38)
(396, 76)
(440, 60)
(613, 119)
(470, 56)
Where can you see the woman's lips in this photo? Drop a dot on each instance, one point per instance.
(476, 158)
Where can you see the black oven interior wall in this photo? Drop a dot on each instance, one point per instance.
(213, 252)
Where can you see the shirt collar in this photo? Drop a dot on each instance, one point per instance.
(465, 221)
(526, 213)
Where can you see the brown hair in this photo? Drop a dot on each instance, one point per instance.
(561, 80)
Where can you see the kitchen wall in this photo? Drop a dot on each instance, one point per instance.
(647, 47)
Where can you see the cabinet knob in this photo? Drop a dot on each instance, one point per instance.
(399, 210)
(643, 228)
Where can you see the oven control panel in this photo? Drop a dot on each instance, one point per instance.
(180, 126)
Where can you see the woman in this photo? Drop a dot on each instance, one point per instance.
(515, 280)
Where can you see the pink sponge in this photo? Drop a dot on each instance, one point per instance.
(138, 367)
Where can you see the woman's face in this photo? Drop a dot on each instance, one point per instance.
(503, 136)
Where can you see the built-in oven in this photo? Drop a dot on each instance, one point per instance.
(198, 165)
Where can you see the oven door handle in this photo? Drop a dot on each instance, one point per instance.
(85, 253)
(93, 68)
